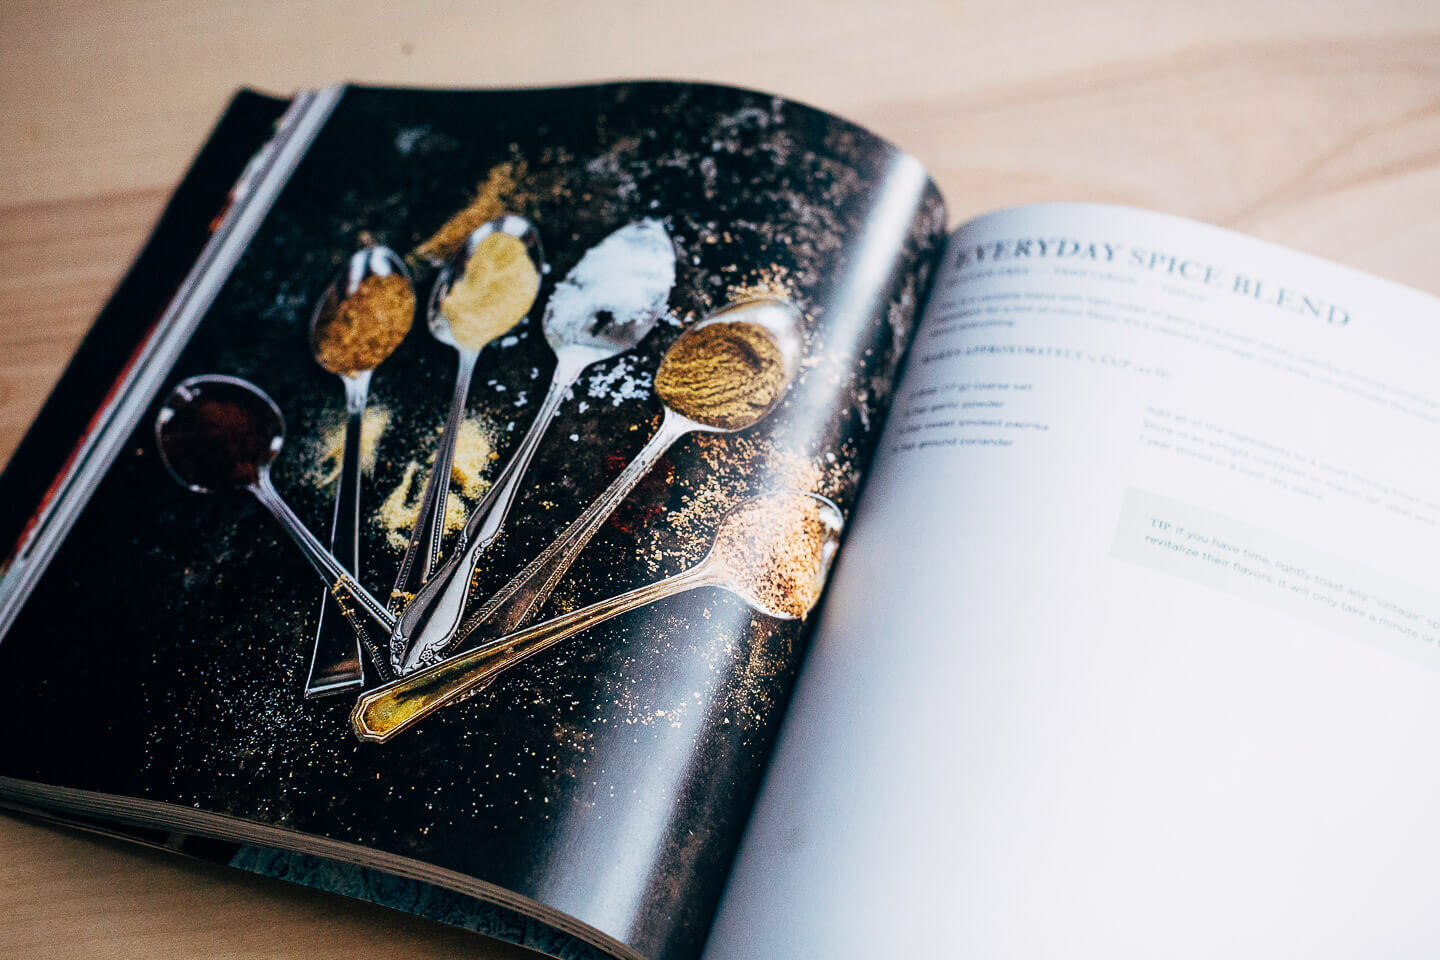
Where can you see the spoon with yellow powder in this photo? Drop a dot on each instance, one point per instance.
(724, 374)
(485, 289)
(362, 318)
(772, 551)
(608, 302)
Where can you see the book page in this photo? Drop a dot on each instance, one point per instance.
(1133, 650)
(593, 336)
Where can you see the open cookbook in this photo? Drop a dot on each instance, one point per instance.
(626, 521)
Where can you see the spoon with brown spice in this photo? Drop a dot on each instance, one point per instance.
(722, 375)
(772, 551)
(218, 433)
(363, 316)
(608, 302)
(482, 292)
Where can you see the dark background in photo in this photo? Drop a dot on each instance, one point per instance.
(163, 653)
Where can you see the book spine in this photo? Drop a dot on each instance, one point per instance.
(52, 474)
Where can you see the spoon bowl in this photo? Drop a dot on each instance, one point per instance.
(372, 261)
(615, 295)
(454, 268)
(780, 580)
(218, 433)
(781, 319)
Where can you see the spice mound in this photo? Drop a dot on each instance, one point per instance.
(496, 291)
(624, 279)
(366, 327)
(777, 549)
(725, 375)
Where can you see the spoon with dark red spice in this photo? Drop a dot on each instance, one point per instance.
(218, 433)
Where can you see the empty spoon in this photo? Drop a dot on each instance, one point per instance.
(605, 305)
(218, 433)
(512, 287)
(363, 316)
(773, 551)
(506, 611)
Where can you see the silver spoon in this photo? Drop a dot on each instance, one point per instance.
(584, 324)
(423, 550)
(336, 666)
(218, 433)
(794, 542)
(519, 599)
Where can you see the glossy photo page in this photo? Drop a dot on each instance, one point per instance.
(643, 337)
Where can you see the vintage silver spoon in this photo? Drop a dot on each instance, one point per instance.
(521, 598)
(605, 305)
(335, 666)
(772, 551)
(423, 550)
(218, 433)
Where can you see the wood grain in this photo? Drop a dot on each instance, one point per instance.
(1314, 124)
(69, 894)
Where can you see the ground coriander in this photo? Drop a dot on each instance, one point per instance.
(723, 374)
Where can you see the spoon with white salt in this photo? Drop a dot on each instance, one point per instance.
(606, 305)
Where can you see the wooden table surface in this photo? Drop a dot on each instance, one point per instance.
(1314, 124)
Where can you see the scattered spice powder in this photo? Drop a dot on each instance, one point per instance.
(330, 451)
(723, 375)
(366, 327)
(401, 508)
(496, 291)
(735, 466)
(771, 281)
(474, 456)
(474, 453)
(778, 548)
(493, 197)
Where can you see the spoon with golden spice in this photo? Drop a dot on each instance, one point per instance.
(217, 433)
(482, 292)
(722, 375)
(362, 318)
(772, 551)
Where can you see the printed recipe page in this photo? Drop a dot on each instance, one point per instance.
(1134, 648)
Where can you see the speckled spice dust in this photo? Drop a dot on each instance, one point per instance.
(619, 769)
